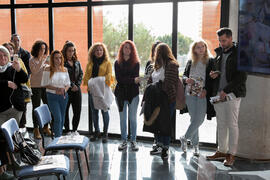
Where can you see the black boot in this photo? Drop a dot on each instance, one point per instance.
(165, 153)
(95, 136)
(105, 137)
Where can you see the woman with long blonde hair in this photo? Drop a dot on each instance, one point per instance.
(197, 85)
(56, 81)
(98, 65)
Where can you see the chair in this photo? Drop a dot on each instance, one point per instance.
(43, 115)
(29, 171)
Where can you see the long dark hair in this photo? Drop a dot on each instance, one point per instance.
(67, 45)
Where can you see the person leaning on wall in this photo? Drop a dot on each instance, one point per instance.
(230, 85)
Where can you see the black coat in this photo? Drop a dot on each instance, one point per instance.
(75, 72)
(236, 79)
(156, 99)
(11, 97)
(208, 87)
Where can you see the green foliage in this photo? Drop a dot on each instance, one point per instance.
(143, 40)
(115, 34)
(183, 42)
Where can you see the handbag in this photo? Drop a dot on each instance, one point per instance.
(180, 96)
(27, 92)
(28, 154)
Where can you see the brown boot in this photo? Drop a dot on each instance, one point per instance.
(229, 160)
(46, 130)
(36, 134)
(217, 156)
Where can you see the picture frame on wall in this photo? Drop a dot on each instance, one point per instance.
(254, 36)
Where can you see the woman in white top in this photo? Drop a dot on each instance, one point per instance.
(56, 81)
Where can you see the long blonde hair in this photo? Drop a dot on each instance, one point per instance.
(194, 57)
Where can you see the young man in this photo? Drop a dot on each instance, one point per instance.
(230, 85)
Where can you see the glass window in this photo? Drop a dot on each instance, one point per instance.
(5, 25)
(71, 24)
(5, 2)
(149, 26)
(110, 26)
(202, 22)
(31, 29)
(30, 1)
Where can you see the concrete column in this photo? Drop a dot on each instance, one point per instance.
(254, 117)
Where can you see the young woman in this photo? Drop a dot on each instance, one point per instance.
(166, 70)
(127, 67)
(74, 93)
(37, 64)
(56, 81)
(98, 65)
(197, 84)
(149, 68)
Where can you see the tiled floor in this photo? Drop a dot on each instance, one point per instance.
(107, 163)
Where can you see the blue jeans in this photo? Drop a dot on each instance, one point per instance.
(132, 116)
(165, 140)
(197, 110)
(95, 117)
(57, 104)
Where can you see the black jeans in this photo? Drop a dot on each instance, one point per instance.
(75, 99)
(38, 94)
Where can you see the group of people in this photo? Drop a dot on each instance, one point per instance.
(56, 80)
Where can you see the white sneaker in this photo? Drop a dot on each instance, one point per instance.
(196, 151)
(183, 144)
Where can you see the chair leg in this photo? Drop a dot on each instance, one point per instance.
(58, 177)
(64, 177)
(79, 164)
(86, 158)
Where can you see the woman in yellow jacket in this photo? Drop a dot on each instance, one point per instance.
(98, 65)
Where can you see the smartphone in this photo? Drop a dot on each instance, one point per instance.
(15, 57)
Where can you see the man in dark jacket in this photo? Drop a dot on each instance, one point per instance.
(230, 85)
(22, 53)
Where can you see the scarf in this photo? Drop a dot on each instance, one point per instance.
(96, 63)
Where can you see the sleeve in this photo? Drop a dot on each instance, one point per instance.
(187, 71)
(79, 82)
(46, 80)
(67, 79)
(87, 74)
(108, 76)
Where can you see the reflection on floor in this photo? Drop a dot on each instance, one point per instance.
(107, 163)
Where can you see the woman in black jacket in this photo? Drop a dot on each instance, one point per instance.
(74, 92)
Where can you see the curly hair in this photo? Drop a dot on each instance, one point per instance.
(67, 45)
(133, 55)
(93, 48)
(52, 65)
(163, 55)
(37, 46)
